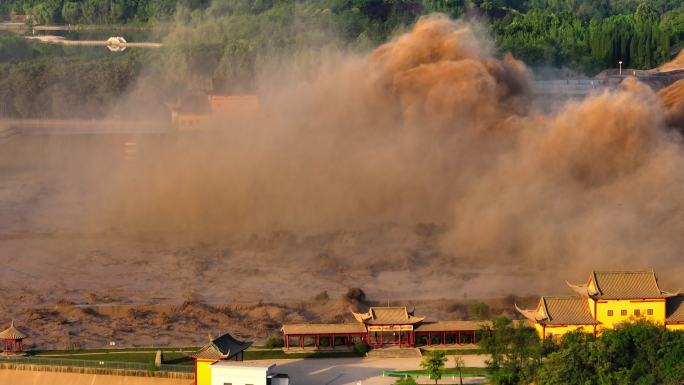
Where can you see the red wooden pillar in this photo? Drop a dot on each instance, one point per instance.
(318, 341)
(287, 341)
(301, 341)
(332, 342)
(474, 337)
(443, 338)
(459, 338)
(429, 339)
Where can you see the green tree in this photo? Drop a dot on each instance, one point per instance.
(71, 12)
(515, 351)
(434, 363)
(637, 353)
(459, 364)
(479, 311)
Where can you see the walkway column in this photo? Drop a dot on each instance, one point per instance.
(287, 341)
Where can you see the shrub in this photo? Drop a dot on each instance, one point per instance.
(405, 381)
(361, 347)
(274, 342)
(479, 311)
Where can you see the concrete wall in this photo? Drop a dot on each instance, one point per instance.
(238, 376)
(25, 377)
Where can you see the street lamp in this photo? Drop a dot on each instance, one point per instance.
(620, 63)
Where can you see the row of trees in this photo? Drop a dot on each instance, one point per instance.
(37, 83)
(639, 353)
(93, 11)
(235, 40)
(582, 34)
(642, 39)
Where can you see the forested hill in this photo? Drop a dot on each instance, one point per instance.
(586, 35)
(234, 40)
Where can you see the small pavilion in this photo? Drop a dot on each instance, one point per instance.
(223, 348)
(12, 341)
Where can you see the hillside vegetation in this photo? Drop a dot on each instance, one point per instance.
(236, 39)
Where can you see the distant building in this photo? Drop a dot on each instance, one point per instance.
(607, 300)
(190, 117)
(242, 373)
(223, 348)
(383, 327)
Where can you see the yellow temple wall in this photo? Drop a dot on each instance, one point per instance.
(617, 306)
(557, 331)
(675, 327)
(204, 372)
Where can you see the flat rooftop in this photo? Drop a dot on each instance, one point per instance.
(243, 364)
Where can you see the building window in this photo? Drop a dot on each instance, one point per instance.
(637, 312)
(610, 313)
(623, 312)
(649, 311)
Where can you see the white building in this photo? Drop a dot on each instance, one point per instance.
(246, 373)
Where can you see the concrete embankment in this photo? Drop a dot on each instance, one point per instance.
(26, 377)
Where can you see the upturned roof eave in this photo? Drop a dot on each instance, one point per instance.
(529, 314)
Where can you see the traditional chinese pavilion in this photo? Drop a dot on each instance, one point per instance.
(12, 341)
(382, 327)
(223, 348)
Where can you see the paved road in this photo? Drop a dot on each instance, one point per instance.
(364, 371)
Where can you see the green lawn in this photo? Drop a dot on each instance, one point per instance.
(169, 357)
(141, 349)
(174, 356)
(467, 372)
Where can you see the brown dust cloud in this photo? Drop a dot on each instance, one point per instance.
(431, 128)
(427, 157)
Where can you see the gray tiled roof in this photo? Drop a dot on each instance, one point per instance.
(348, 328)
(675, 309)
(387, 316)
(568, 311)
(561, 311)
(221, 348)
(622, 285)
(12, 333)
(441, 326)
